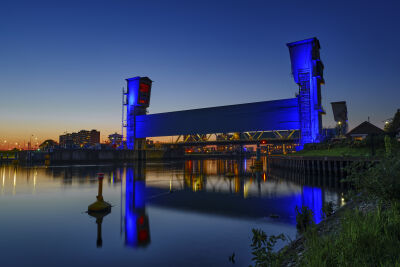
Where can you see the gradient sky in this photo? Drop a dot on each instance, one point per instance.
(63, 63)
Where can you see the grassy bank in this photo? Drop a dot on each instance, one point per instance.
(372, 146)
(363, 239)
(365, 232)
(341, 152)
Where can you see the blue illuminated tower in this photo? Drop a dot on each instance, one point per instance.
(307, 70)
(137, 102)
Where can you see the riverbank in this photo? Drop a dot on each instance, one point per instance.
(372, 146)
(365, 232)
(293, 254)
(342, 152)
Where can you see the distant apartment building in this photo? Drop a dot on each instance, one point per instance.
(82, 138)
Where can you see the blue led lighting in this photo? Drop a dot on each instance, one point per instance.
(133, 92)
(285, 206)
(304, 56)
(303, 112)
(130, 214)
(134, 205)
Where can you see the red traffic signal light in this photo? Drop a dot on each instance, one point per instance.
(263, 142)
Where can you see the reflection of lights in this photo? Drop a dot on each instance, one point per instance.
(15, 180)
(264, 176)
(246, 187)
(4, 178)
(237, 184)
(197, 184)
(34, 179)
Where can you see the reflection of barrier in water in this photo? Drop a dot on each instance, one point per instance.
(137, 232)
(312, 198)
(258, 163)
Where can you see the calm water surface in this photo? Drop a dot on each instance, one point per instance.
(176, 213)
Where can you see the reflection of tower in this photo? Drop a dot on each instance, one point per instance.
(312, 197)
(137, 232)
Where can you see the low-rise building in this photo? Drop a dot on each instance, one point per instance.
(363, 130)
(115, 139)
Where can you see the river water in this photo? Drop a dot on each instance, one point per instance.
(171, 213)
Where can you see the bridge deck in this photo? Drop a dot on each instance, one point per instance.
(235, 142)
(260, 116)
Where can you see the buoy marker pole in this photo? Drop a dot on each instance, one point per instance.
(100, 177)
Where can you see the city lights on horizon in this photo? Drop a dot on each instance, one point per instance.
(9, 142)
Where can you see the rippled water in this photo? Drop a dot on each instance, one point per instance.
(175, 213)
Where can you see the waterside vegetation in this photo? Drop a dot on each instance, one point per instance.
(370, 146)
(365, 232)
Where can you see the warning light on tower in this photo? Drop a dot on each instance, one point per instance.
(139, 90)
(144, 92)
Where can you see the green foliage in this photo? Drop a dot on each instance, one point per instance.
(394, 124)
(388, 146)
(327, 209)
(380, 180)
(364, 239)
(262, 248)
(346, 147)
(371, 239)
(304, 218)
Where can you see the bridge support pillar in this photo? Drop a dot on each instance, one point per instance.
(307, 70)
(137, 102)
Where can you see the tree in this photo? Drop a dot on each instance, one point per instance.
(394, 125)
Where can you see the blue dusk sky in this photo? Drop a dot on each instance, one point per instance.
(63, 63)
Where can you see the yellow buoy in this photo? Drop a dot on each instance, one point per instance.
(100, 205)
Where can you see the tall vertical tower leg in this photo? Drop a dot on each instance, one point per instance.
(307, 70)
(137, 101)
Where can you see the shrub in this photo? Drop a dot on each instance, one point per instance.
(327, 209)
(379, 180)
(304, 218)
(388, 146)
(262, 248)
